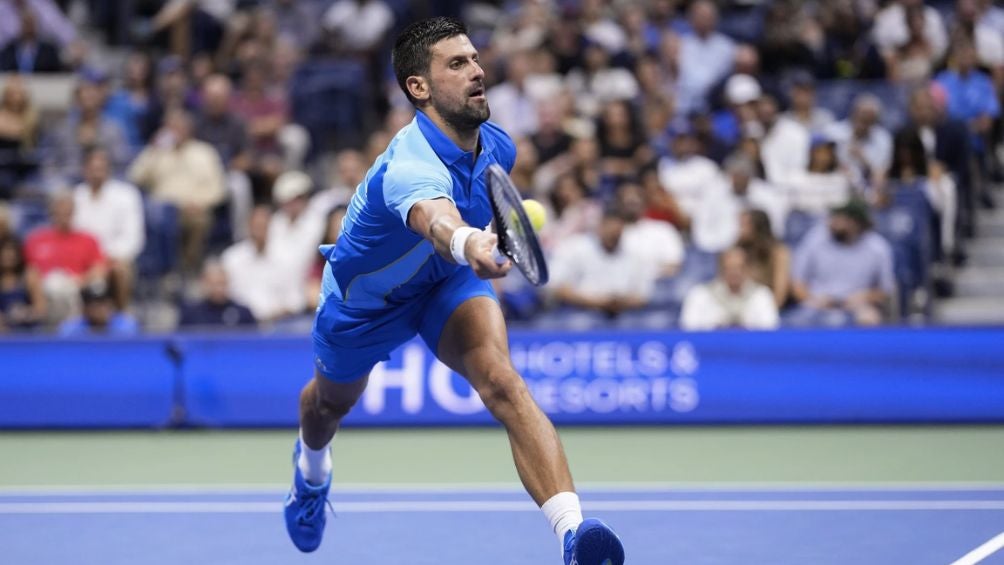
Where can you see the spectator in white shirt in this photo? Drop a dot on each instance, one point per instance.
(705, 57)
(257, 278)
(597, 273)
(359, 25)
(784, 149)
(658, 241)
(574, 212)
(687, 175)
(892, 32)
(513, 108)
(732, 300)
(112, 211)
(863, 145)
(823, 185)
(716, 225)
(294, 231)
(802, 95)
(597, 82)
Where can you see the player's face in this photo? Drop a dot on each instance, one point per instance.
(457, 83)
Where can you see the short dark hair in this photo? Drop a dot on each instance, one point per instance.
(413, 49)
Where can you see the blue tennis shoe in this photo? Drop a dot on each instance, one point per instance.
(305, 509)
(594, 543)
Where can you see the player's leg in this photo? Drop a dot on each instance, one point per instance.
(473, 341)
(323, 404)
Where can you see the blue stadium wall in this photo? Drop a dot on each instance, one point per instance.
(600, 378)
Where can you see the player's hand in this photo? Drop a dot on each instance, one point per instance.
(478, 251)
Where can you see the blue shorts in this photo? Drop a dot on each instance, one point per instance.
(348, 342)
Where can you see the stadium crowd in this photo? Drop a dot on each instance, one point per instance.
(706, 164)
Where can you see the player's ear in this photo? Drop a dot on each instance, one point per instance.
(418, 87)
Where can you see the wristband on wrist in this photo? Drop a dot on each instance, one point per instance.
(458, 243)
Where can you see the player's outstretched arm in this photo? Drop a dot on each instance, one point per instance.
(439, 221)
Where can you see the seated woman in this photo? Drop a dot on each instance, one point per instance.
(22, 302)
(19, 128)
(768, 260)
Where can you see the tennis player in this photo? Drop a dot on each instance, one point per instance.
(413, 258)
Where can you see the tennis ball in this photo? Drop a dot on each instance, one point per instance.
(536, 212)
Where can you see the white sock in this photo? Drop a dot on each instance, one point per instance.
(564, 513)
(315, 464)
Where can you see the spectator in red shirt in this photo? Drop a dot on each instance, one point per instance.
(65, 258)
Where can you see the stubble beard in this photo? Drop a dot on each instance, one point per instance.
(464, 117)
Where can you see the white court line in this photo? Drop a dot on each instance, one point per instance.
(993, 545)
(156, 507)
(491, 488)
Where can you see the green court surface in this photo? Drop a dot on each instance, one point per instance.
(811, 455)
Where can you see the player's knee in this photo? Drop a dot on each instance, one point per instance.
(503, 390)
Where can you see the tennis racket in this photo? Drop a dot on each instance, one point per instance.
(517, 240)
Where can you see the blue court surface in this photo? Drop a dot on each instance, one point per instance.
(775, 525)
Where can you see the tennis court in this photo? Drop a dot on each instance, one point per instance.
(863, 495)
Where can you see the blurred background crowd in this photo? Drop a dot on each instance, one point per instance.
(739, 163)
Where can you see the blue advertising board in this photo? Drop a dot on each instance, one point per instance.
(597, 378)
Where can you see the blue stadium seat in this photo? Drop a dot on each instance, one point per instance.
(907, 225)
(160, 252)
(330, 96)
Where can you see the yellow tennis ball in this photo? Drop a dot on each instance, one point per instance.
(536, 212)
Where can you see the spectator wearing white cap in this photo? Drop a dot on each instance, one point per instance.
(295, 229)
(741, 93)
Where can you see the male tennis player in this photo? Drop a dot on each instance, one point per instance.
(413, 258)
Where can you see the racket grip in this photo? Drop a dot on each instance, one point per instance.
(498, 256)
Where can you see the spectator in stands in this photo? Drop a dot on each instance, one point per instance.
(112, 211)
(6, 222)
(784, 145)
(192, 26)
(970, 94)
(295, 21)
(597, 82)
(217, 125)
(86, 126)
(802, 95)
(597, 273)
(842, 273)
(294, 230)
(185, 172)
(29, 53)
(621, 140)
(946, 145)
(823, 185)
(662, 205)
(715, 226)
(658, 242)
(768, 259)
(551, 139)
(359, 25)
(687, 175)
(913, 61)
(705, 56)
(732, 300)
(350, 170)
(256, 275)
(574, 212)
(50, 22)
(892, 27)
(265, 110)
(741, 93)
(66, 259)
(22, 302)
(911, 170)
(513, 108)
(99, 316)
(172, 91)
(332, 230)
(864, 147)
(129, 105)
(19, 131)
(987, 39)
(216, 308)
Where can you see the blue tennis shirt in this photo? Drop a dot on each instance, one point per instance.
(378, 260)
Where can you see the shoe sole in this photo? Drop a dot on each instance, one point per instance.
(597, 544)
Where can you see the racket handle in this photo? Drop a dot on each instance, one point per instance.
(498, 256)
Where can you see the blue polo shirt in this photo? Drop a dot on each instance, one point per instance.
(379, 261)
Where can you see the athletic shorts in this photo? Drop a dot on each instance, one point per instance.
(348, 342)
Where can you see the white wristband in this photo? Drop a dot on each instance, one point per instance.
(458, 243)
